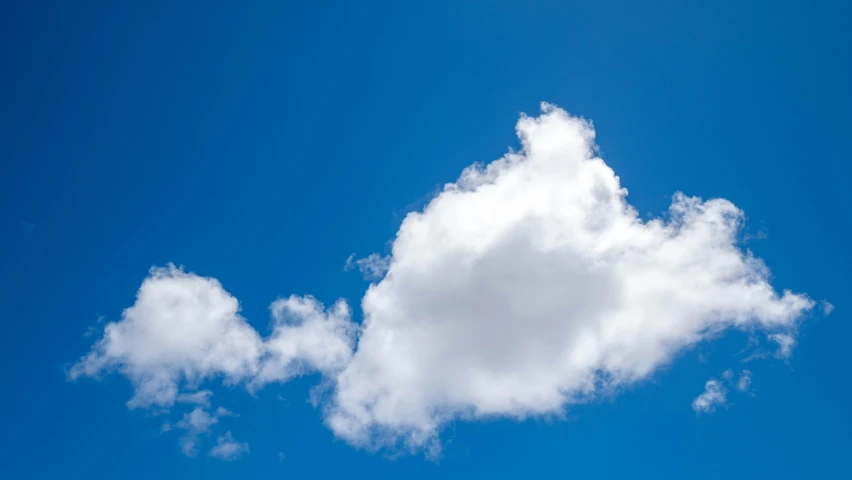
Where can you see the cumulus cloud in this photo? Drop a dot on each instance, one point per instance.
(530, 284)
(305, 338)
(526, 286)
(185, 329)
(227, 448)
(714, 395)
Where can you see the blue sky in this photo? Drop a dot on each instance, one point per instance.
(263, 145)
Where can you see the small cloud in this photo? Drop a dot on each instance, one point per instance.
(197, 420)
(373, 267)
(201, 397)
(227, 448)
(281, 456)
(93, 329)
(826, 307)
(785, 342)
(714, 395)
(28, 226)
(728, 374)
(224, 412)
(197, 423)
(189, 445)
(759, 235)
(350, 263)
(744, 383)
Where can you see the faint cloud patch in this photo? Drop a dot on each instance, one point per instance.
(785, 343)
(198, 424)
(94, 329)
(744, 383)
(227, 448)
(759, 235)
(372, 267)
(715, 395)
(201, 398)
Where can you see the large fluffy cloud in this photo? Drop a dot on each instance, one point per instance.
(527, 285)
(531, 283)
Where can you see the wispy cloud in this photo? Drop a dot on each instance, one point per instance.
(372, 267)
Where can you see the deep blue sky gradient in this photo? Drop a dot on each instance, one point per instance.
(263, 144)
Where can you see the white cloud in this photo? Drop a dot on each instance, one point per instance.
(827, 308)
(744, 383)
(224, 412)
(185, 329)
(196, 423)
(227, 448)
(530, 284)
(198, 420)
(714, 395)
(306, 337)
(201, 397)
(786, 342)
(372, 267)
